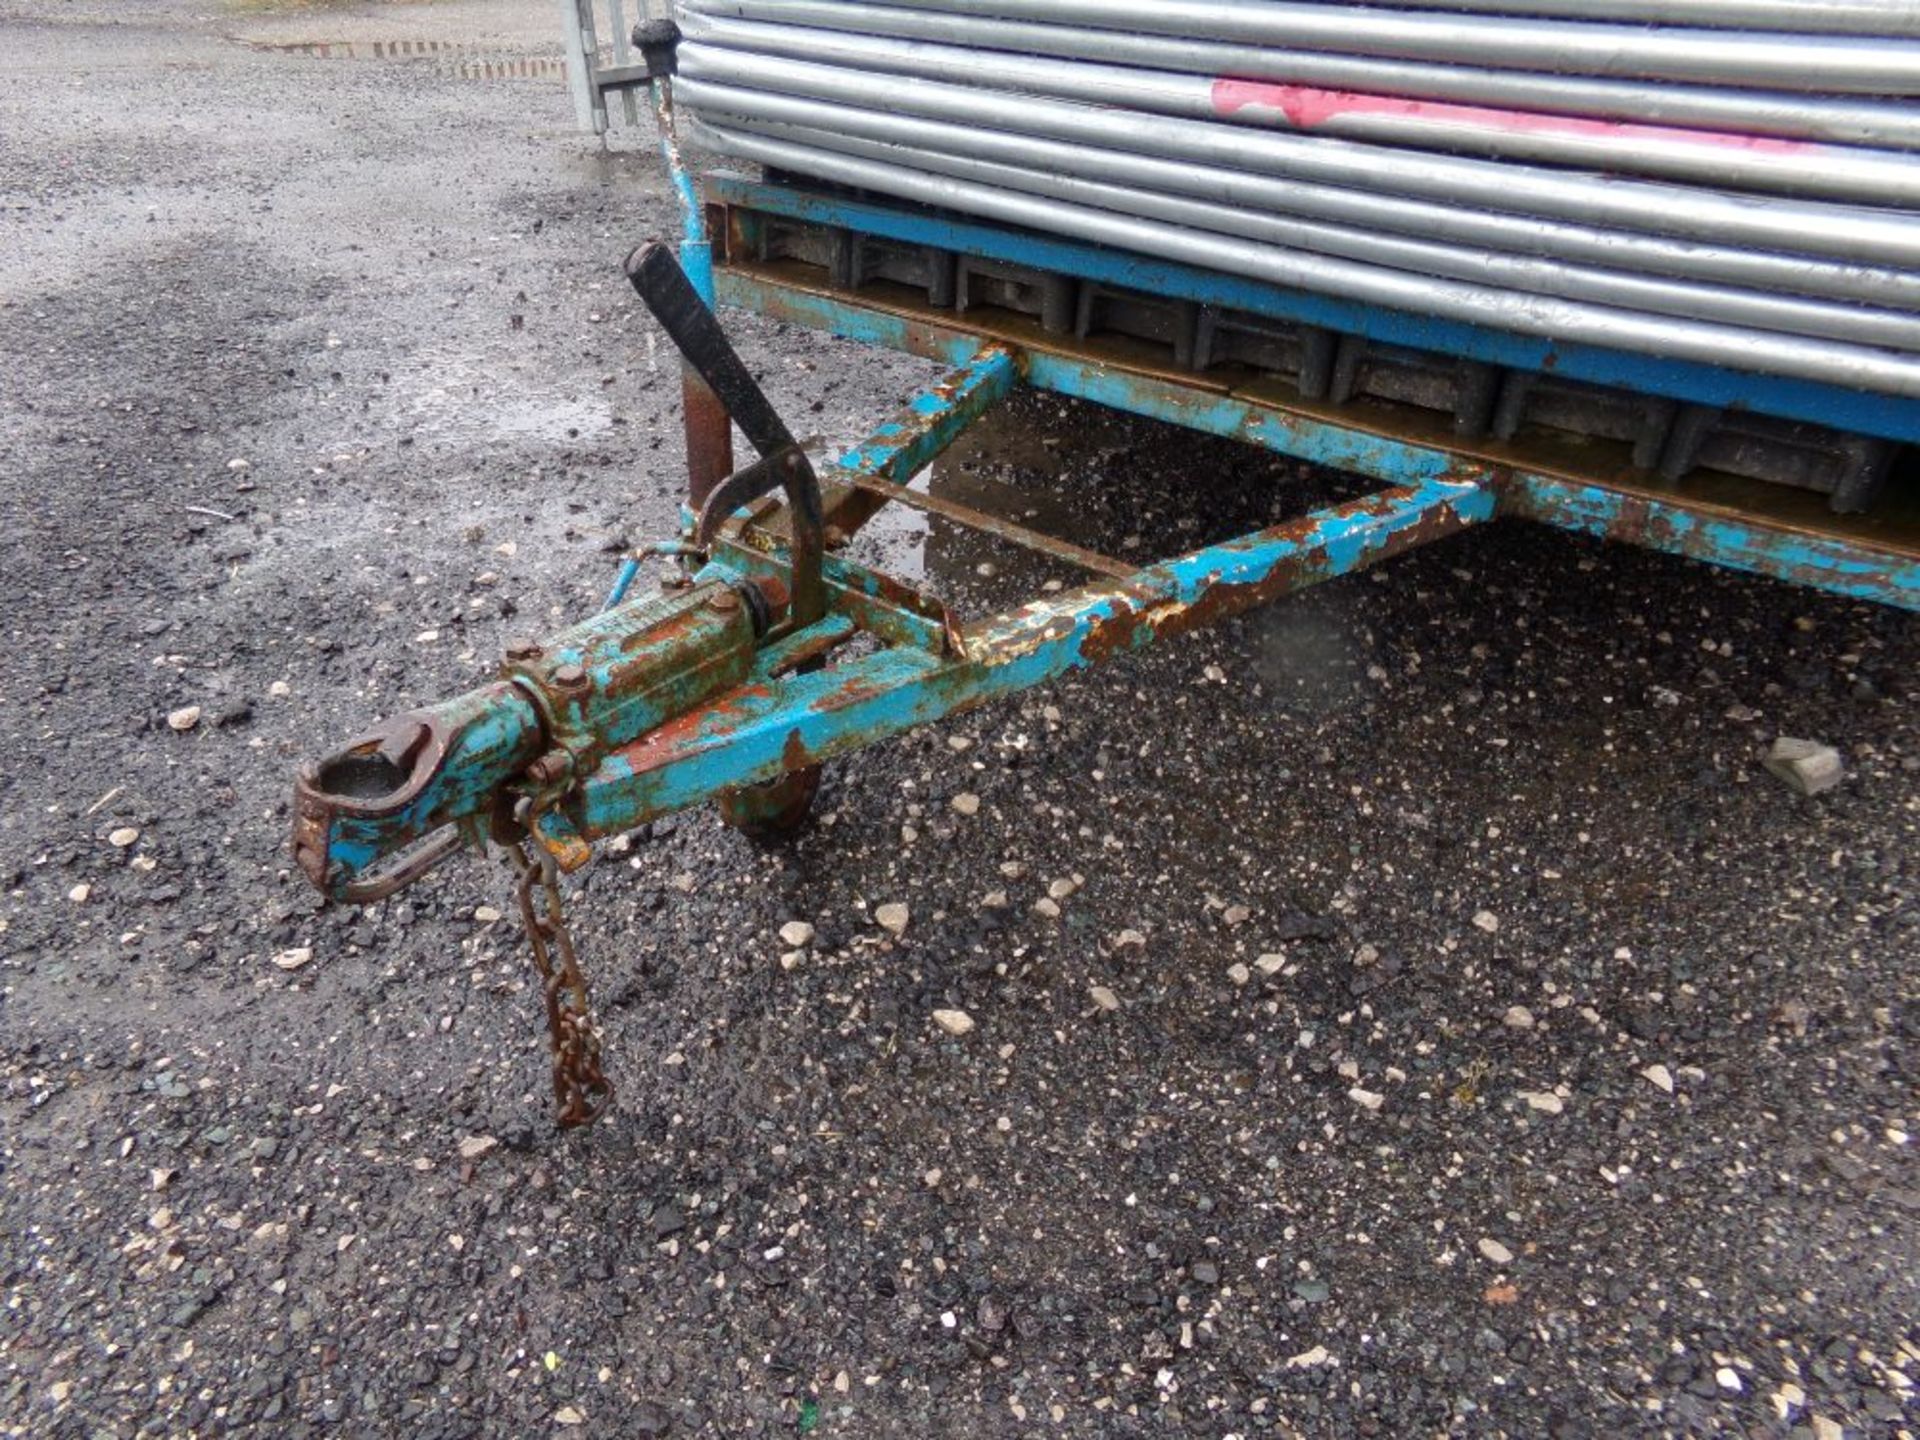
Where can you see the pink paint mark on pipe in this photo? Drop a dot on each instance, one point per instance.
(1308, 107)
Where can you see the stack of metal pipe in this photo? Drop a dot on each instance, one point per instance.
(1733, 182)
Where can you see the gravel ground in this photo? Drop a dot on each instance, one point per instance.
(1409, 1011)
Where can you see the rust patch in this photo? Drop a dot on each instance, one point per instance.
(312, 819)
(709, 432)
(794, 754)
(665, 636)
(1145, 616)
(687, 734)
(1629, 523)
(851, 690)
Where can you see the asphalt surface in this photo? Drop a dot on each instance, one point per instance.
(1409, 1011)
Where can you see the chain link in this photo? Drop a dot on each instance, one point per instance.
(581, 1090)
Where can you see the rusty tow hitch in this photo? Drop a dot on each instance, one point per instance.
(539, 762)
(496, 768)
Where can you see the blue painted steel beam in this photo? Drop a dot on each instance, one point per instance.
(1781, 552)
(1197, 408)
(696, 247)
(935, 418)
(1726, 540)
(1646, 374)
(761, 730)
(1855, 568)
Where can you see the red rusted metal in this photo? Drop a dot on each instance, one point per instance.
(709, 437)
(1135, 611)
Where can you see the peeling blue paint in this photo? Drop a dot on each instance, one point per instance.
(907, 444)
(1858, 570)
(699, 711)
(490, 734)
(1825, 564)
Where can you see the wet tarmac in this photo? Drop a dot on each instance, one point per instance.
(1411, 1010)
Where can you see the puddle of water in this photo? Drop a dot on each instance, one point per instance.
(552, 421)
(445, 413)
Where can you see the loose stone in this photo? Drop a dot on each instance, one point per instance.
(1805, 765)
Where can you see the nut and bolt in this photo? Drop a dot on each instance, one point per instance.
(523, 650)
(723, 600)
(570, 677)
(835, 538)
(549, 768)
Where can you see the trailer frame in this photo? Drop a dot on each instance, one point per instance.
(767, 650)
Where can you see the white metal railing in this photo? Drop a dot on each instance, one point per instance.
(597, 40)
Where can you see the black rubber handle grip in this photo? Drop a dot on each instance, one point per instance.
(660, 281)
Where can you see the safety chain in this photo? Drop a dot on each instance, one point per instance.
(580, 1088)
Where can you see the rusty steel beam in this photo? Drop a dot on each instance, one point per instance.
(1077, 556)
(1720, 536)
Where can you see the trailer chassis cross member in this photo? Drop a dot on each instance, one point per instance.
(738, 676)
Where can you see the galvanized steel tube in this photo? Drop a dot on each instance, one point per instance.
(1834, 17)
(1789, 226)
(1522, 273)
(1789, 275)
(1716, 303)
(1820, 360)
(1840, 120)
(1838, 64)
(1788, 167)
